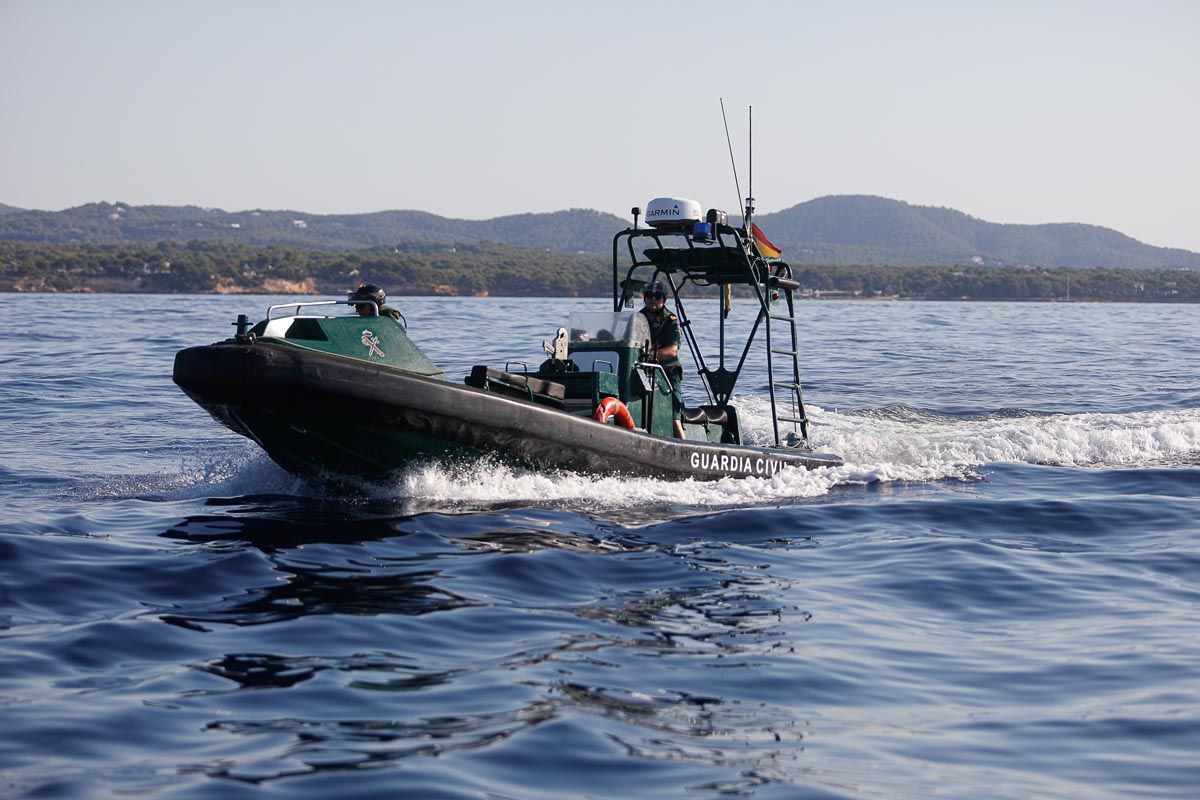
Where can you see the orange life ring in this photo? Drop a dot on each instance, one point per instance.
(610, 407)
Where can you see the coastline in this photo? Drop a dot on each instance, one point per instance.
(269, 292)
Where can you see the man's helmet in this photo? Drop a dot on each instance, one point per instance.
(655, 287)
(370, 292)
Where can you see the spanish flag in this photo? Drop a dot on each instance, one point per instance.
(765, 248)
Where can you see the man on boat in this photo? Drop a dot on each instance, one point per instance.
(664, 345)
(371, 292)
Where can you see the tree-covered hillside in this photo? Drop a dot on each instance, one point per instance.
(840, 230)
(197, 267)
(576, 230)
(857, 229)
(491, 269)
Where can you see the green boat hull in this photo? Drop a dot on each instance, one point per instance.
(319, 414)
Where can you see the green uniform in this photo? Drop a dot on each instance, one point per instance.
(384, 311)
(664, 332)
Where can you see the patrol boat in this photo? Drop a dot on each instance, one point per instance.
(328, 395)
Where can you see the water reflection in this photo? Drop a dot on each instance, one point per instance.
(498, 623)
(337, 745)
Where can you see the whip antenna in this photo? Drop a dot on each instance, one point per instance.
(750, 155)
(732, 161)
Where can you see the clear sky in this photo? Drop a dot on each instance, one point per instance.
(1011, 111)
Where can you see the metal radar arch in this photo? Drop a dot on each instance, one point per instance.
(710, 252)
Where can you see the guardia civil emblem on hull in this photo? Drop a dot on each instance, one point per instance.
(371, 342)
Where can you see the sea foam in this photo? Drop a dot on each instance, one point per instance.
(876, 450)
(878, 446)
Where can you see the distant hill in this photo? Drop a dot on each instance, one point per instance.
(9, 210)
(837, 230)
(859, 230)
(576, 230)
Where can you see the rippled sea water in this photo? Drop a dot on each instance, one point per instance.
(997, 596)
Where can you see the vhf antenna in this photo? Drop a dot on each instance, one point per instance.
(750, 193)
(732, 160)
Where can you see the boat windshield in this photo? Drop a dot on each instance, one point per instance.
(608, 326)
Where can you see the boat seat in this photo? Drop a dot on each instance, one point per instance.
(705, 415)
(525, 387)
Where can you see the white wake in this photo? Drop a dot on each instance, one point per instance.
(883, 446)
(875, 449)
